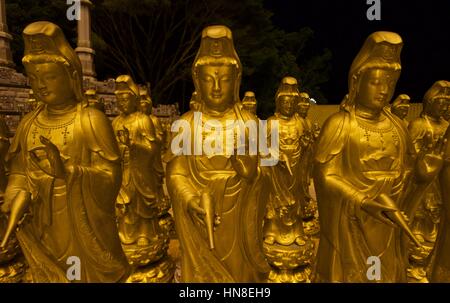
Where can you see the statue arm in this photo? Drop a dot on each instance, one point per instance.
(417, 131)
(17, 181)
(178, 183)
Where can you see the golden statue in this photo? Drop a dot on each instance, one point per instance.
(366, 171)
(249, 102)
(286, 247)
(439, 269)
(425, 222)
(32, 102)
(446, 115)
(12, 267)
(400, 107)
(94, 101)
(194, 104)
(64, 165)
(141, 204)
(217, 198)
(146, 107)
(309, 136)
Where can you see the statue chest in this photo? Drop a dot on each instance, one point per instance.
(60, 133)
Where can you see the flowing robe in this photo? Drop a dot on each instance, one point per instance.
(343, 179)
(76, 218)
(240, 203)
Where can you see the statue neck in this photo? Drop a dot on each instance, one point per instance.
(214, 112)
(60, 109)
(367, 113)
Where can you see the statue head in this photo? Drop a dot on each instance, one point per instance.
(217, 69)
(400, 106)
(127, 94)
(249, 102)
(194, 103)
(303, 104)
(286, 98)
(52, 66)
(146, 103)
(374, 72)
(436, 99)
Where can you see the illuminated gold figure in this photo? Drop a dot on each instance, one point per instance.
(400, 107)
(194, 104)
(146, 107)
(141, 202)
(33, 103)
(309, 136)
(11, 266)
(64, 171)
(249, 102)
(366, 171)
(440, 263)
(287, 248)
(94, 101)
(425, 221)
(217, 200)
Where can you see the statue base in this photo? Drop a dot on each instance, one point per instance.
(158, 272)
(298, 275)
(290, 263)
(14, 271)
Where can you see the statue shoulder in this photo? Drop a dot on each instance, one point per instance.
(99, 134)
(417, 128)
(333, 136)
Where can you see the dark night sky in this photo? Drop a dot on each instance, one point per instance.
(342, 26)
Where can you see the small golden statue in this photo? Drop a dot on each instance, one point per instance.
(217, 198)
(366, 171)
(146, 107)
(32, 102)
(64, 165)
(286, 247)
(12, 267)
(425, 222)
(309, 136)
(94, 101)
(194, 104)
(439, 268)
(249, 102)
(141, 204)
(400, 107)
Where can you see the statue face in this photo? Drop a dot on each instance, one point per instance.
(126, 102)
(375, 88)
(51, 83)
(303, 108)
(437, 108)
(287, 105)
(146, 107)
(401, 111)
(251, 107)
(216, 84)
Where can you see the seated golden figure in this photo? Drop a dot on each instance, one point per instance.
(249, 102)
(65, 173)
(400, 107)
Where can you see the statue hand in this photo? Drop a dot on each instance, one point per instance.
(378, 210)
(57, 168)
(197, 213)
(430, 158)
